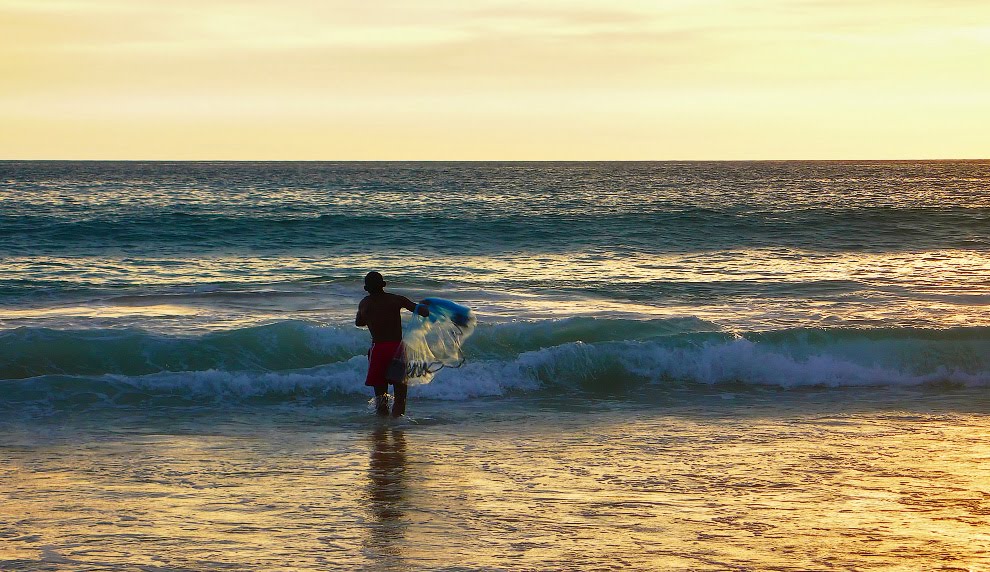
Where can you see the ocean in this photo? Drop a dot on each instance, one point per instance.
(677, 365)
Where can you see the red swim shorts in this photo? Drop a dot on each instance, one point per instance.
(386, 364)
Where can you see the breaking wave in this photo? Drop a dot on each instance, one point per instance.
(301, 361)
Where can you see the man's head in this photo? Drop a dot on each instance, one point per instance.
(374, 282)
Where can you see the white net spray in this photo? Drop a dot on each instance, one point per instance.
(434, 342)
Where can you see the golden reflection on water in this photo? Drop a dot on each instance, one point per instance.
(747, 289)
(104, 311)
(387, 494)
(709, 488)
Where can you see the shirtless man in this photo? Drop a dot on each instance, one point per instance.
(379, 311)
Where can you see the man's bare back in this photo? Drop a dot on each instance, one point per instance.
(380, 312)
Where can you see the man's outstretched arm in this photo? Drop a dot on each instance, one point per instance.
(422, 309)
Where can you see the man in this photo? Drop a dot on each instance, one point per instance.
(380, 312)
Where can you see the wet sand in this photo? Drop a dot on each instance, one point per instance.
(762, 481)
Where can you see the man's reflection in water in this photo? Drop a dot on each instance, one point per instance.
(387, 491)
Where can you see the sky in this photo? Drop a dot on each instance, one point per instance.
(494, 79)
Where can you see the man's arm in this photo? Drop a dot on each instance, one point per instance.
(421, 309)
(360, 320)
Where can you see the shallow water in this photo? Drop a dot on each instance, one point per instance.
(684, 480)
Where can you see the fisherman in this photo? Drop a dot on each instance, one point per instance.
(379, 311)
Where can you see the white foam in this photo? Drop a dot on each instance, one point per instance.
(734, 361)
(603, 366)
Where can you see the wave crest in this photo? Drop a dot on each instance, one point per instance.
(294, 361)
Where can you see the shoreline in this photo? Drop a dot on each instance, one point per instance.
(503, 484)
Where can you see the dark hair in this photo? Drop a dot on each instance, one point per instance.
(374, 282)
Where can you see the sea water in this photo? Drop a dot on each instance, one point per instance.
(752, 365)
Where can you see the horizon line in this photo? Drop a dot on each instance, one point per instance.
(846, 160)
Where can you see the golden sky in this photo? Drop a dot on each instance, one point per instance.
(493, 79)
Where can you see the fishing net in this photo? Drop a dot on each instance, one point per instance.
(434, 342)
